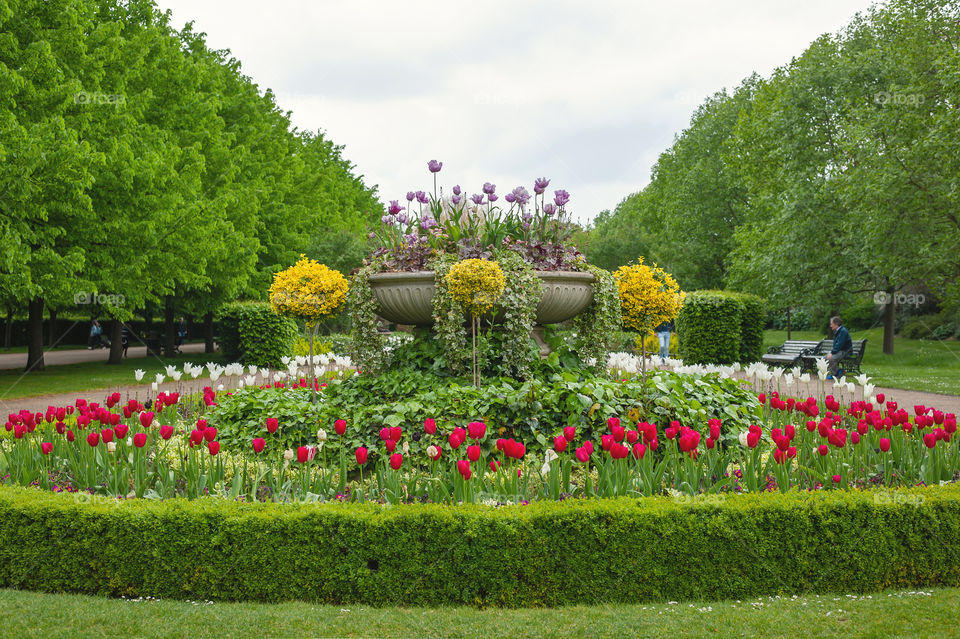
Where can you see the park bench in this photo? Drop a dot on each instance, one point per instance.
(788, 354)
(850, 364)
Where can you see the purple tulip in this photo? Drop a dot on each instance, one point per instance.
(510, 197)
(388, 220)
(492, 197)
(402, 218)
(394, 207)
(456, 190)
(527, 216)
(489, 188)
(561, 197)
(422, 197)
(455, 199)
(477, 198)
(521, 195)
(540, 185)
(427, 223)
(434, 166)
(549, 208)
(410, 196)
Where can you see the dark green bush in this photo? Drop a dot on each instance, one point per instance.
(799, 320)
(541, 554)
(709, 327)
(935, 326)
(752, 319)
(250, 332)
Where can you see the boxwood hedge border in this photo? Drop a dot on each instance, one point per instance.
(541, 554)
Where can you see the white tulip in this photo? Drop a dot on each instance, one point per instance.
(138, 374)
(159, 378)
(111, 447)
(154, 386)
(288, 454)
(321, 435)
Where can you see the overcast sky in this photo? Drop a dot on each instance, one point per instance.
(586, 93)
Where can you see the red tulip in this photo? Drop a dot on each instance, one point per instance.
(93, 438)
(639, 450)
(762, 398)
(588, 445)
(582, 455)
(210, 434)
(201, 424)
(259, 443)
(559, 444)
(714, 425)
(881, 397)
(146, 418)
(430, 425)
(619, 451)
(46, 448)
(121, 430)
(272, 424)
(710, 443)
(196, 437)
(361, 455)
(473, 453)
(569, 433)
(463, 467)
(70, 436)
(385, 434)
(476, 430)
(396, 433)
(166, 432)
(213, 447)
(390, 445)
(613, 421)
(823, 449)
(494, 465)
(884, 444)
(107, 435)
(618, 433)
(930, 440)
(340, 426)
(454, 440)
(854, 438)
(606, 441)
(836, 479)
(632, 436)
(303, 454)
(140, 440)
(396, 460)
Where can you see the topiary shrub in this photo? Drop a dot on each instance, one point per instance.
(752, 319)
(250, 332)
(709, 327)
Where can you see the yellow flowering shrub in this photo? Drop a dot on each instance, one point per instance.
(307, 290)
(476, 285)
(649, 296)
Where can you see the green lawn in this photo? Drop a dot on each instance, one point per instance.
(930, 613)
(70, 378)
(923, 365)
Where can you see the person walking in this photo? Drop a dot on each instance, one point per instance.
(181, 334)
(663, 334)
(96, 333)
(842, 347)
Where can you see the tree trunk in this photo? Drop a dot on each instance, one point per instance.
(889, 313)
(169, 330)
(116, 347)
(8, 330)
(52, 334)
(35, 335)
(789, 327)
(208, 346)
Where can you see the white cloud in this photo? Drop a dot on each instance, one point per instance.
(588, 94)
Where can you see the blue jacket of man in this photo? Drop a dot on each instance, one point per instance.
(841, 340)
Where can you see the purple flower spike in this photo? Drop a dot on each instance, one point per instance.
(434, 166)
(477, 198)
(410, 196)
(456, 190)
(540, 185)
(394, 207)
(510, 197)
(455, 199)
(549, 208)
(489, 188)
(561, 197)
(422, 197)
(388, 220)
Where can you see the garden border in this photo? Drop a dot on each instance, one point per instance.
(541, 554)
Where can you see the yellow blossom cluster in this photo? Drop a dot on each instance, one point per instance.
(649, 296)
(476, 285)
(307, 290)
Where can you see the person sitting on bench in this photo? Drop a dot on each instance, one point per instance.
(842, 346)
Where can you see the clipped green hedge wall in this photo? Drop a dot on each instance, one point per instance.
(250, 332)
(708, 327)
(553, 553)
(752, 319)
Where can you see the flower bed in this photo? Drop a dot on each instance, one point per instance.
(544, 554)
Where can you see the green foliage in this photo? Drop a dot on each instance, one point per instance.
(243, 415)
(709, 327)
(366, 349)
(799, 319)
(521, 296)
(935, 326)
(597, 326)
(252, 333)
(752, 320)
(736, 547)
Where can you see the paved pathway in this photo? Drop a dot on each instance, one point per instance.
(80, 355)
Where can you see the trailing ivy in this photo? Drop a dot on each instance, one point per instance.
(449, 320)
(367, 349)
(598, 324)
(521, 296)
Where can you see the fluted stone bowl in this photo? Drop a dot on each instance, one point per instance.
(407, 298)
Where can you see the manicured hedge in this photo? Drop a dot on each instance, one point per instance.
(250, 332)
(552, 553)
(752, 319)
(708, 327)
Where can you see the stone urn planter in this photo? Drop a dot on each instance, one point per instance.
(407, 298)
